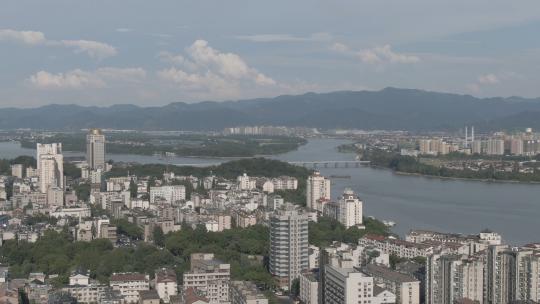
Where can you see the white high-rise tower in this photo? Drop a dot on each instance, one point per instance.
(318, 188)
(95, 149)
(350, 209)
(50, 163)
(288, 245)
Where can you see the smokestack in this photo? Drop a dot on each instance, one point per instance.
(466, 136)
(472, 133)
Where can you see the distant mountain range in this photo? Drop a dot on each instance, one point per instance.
(390, 109)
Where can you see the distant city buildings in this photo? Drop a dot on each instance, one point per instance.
(521, 144)
(269, 131)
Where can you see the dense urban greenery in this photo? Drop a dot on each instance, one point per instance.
(412, 165)
(327, 230)
(57, 253)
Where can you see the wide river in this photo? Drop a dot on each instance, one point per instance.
(411, 201)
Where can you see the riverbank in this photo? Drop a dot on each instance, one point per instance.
(222, 148)
(486, 180)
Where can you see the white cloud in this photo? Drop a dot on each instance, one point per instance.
(488, 79)
(377, 55)
(206, 69)
(94, 49)
(385, 54)
(340, 47)
(26, 37)
(80, 79)
(171, 58)
(323, 36)
(75, 79)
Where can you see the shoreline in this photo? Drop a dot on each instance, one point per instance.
(501, 181)
(178, 155)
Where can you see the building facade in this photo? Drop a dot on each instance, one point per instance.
(95, 149)
(289, 248)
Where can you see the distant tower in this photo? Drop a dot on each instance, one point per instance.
(95, 149)
(472, 134)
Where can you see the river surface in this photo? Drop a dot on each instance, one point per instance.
(511, 209)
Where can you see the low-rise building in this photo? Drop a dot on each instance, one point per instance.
(208, 276)
(406, 289)
(245, 292)
(166, 284)
(129, 285)
(309, 288)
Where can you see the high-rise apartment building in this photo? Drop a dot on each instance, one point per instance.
(451, 278)
(50, 163)
(495, 147)
(95, 149)
(350, 209)
(498, 274)
(476, 147)
(318, 188)
(288, 245)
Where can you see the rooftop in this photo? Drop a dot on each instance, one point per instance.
(387, 273)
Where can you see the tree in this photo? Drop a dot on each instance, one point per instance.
(158, 236)
(83, 192)
(295, 288)
(132, 189)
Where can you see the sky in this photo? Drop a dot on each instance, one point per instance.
(103, 52)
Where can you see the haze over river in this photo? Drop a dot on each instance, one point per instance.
(511, 209)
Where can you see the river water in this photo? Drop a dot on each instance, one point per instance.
(411, 201)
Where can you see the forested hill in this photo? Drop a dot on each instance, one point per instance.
(390, 109)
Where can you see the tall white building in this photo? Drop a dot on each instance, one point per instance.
(95, 149)
(289, 248)
(318, 188)
(170, 194)
(350, 209)
(50, 163)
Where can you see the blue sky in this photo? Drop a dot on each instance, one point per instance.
(155, 52)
